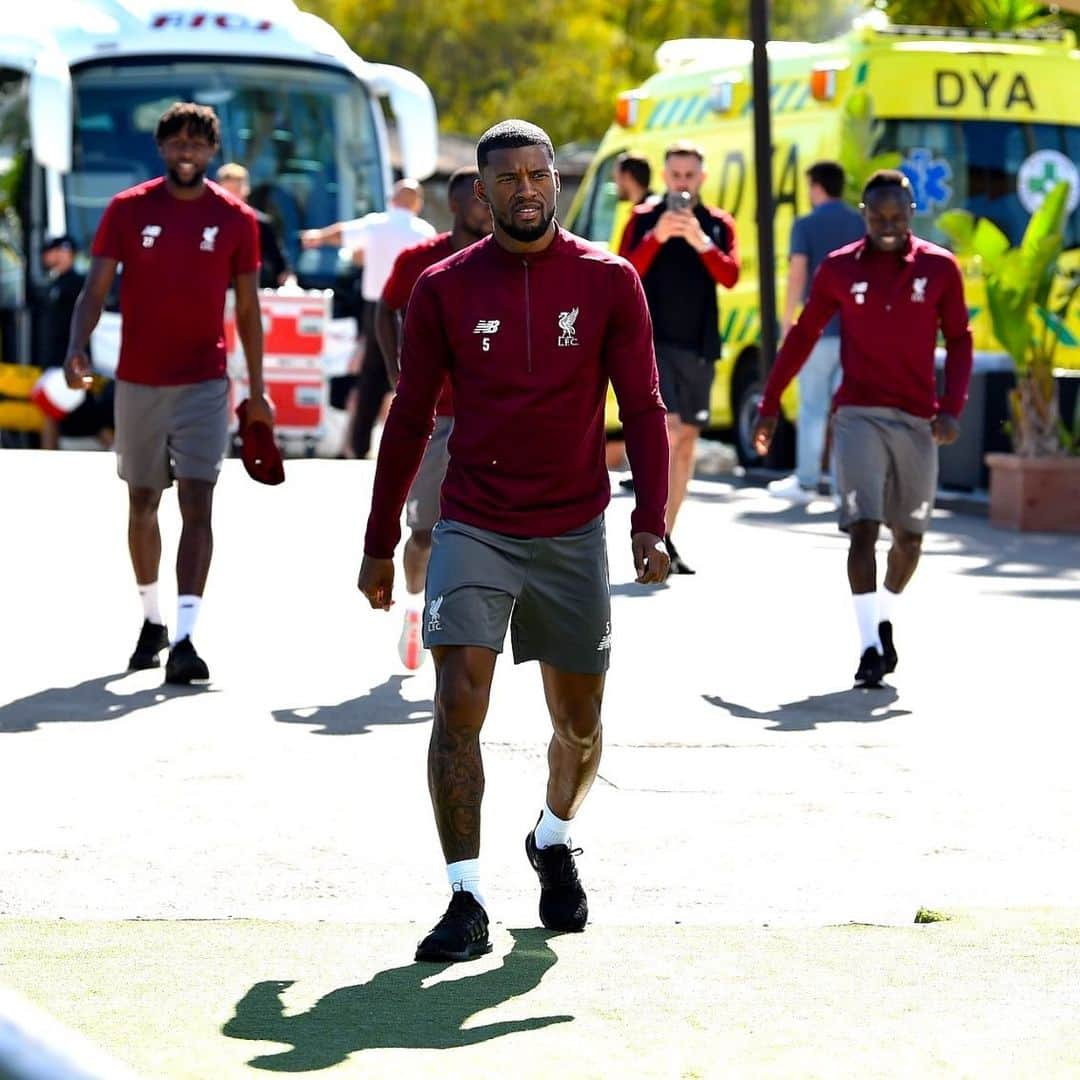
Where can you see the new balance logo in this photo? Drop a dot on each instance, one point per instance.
(149, 234)
(605, 641)
(487, 326)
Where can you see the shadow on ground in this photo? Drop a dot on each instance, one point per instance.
(632, 588)
(383, 705)
(394, 1009)
(856, 706)
(89, 702)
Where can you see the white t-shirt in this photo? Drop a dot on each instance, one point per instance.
(383, 236)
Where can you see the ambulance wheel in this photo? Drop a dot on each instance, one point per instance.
(746, 388)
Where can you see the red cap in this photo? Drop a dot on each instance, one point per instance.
(258, 451)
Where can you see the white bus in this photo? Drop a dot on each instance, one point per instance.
(83, 82)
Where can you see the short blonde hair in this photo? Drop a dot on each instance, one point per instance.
(233, 170)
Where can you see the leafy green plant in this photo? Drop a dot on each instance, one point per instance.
(1028, 314)
(860, 133)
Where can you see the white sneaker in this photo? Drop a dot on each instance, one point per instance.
(790, 488)
(411, 643)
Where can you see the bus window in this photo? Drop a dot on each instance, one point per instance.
(305, 134)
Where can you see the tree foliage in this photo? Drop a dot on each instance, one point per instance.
(560, 63)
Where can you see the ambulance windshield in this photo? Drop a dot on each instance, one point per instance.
(999, 170)
(305, 134)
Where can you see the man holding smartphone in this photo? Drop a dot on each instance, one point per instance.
(683, 249)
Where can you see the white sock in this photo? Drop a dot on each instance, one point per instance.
(866, 615)
(887, 601)
(187, 611)
(414, 601)
(551, 830)
(465, 875)
(151, 605)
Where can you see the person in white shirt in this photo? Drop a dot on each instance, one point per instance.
(375, 241)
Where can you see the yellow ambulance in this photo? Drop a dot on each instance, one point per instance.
(977, 120)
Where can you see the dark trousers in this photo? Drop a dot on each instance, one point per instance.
(372, 386)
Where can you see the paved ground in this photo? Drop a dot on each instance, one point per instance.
(753, 816)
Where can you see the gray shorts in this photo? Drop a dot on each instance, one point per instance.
(886, 467)
(164, 432)
(422, 504)
(685, 382)
(552, 591)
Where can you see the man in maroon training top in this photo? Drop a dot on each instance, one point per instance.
(529, 325)
(182, 241)
(472, 222)
(893, 291)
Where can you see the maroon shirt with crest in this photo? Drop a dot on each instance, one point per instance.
(529, 342)
(891, 306)
(179, 257)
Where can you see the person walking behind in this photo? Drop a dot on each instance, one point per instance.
(530, 325)
(683, 249)
(94, 416)
(829, 225)
(182, 241)
(472, 222)
(375, 240)
(893, 292)
(633, 179)
(274, 270)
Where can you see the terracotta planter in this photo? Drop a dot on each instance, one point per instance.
(1035, 494)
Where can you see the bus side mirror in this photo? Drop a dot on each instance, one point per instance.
(51, 117)
(414, 110)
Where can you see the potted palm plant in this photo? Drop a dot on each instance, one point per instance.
(1036, 487)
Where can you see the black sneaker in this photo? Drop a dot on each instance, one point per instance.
(153, 638)
(185, 665)
(563, 904)
(677, 565)
(888, 649)
(871, 668)
(461, 934)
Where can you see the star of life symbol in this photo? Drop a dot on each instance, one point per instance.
(929, 178)
(567, 319)
(605, 641)
(487, 326)
(918, 290)
(433, 614)
(859, 290)
(209, 236)
(149, 234)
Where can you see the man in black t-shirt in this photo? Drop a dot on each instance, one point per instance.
(683, 249)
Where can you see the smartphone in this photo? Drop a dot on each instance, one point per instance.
(679, 200)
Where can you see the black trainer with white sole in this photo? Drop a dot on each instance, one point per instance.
(185, 665)
(563, 904)
(153, 639)
(888, 649)
(461, 934)
(871, 668)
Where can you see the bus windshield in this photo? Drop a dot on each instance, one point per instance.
(305, 134)
(995, 169)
